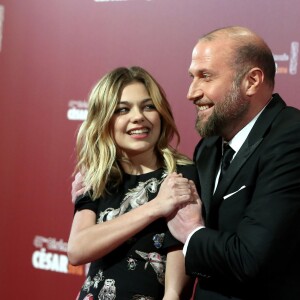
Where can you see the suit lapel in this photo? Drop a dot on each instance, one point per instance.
(239, 160)
(207, 161)
(254, 139)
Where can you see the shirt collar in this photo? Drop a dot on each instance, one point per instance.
(237, 141)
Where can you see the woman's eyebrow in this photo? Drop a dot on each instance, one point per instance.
(128, 101)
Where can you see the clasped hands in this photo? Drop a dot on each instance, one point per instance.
(177, 200)
(187, 210)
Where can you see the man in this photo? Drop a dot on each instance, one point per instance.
(246, 242)
(242, 238)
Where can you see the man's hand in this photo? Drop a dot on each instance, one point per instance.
(78, 187)
(187, 218)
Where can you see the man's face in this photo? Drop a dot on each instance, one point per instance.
(215, 90)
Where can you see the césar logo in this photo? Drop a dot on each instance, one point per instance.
(51, 255)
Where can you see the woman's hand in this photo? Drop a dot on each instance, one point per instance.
(174, 192)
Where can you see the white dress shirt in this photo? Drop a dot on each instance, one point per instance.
(235, 143)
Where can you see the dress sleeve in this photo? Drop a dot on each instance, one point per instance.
(86, 202)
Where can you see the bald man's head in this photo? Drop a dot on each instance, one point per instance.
(247, 50)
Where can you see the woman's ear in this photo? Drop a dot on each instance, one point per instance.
(253, 81)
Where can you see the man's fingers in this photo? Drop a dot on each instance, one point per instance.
(80, 192)
(77, 187)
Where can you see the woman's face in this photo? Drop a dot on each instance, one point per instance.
(136, 123)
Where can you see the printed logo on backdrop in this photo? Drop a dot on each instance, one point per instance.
(1, 24)
(77, 110)
(50, 254)
(287, 62)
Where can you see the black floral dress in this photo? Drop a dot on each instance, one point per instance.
(136, 269)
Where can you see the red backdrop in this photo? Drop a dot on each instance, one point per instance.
(51, 53)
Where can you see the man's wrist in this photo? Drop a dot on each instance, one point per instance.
(188, 239)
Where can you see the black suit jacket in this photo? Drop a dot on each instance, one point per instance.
(250, 248)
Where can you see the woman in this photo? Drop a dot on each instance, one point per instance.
(119, 224)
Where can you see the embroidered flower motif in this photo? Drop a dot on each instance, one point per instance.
(158, 240)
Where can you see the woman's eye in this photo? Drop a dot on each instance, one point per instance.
(121, 110)
(150, 107)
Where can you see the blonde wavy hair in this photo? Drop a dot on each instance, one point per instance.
(96, 148)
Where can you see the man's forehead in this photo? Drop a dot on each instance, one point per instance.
(211, 50)
(202, 51)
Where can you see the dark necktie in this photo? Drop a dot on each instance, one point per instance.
(228, 153)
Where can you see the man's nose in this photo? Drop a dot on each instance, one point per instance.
(195, 91)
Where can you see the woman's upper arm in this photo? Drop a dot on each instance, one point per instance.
(82, 219)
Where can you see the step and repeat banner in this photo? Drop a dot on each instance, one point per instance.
(51, 54)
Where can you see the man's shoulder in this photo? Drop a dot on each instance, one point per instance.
(188, 171)
(289, 113)
(203, 143)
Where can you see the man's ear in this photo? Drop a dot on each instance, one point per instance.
(253, 81)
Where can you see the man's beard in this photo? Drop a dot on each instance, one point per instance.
(233, 107)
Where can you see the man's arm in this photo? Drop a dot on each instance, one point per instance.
(188, 217)
(78, 187)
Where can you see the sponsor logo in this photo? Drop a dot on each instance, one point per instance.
(287, 63)
(77, 110)
(1, 24)
(50, 255)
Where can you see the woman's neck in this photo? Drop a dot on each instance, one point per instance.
(140, 165)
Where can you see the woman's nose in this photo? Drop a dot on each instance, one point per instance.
(137, 115)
